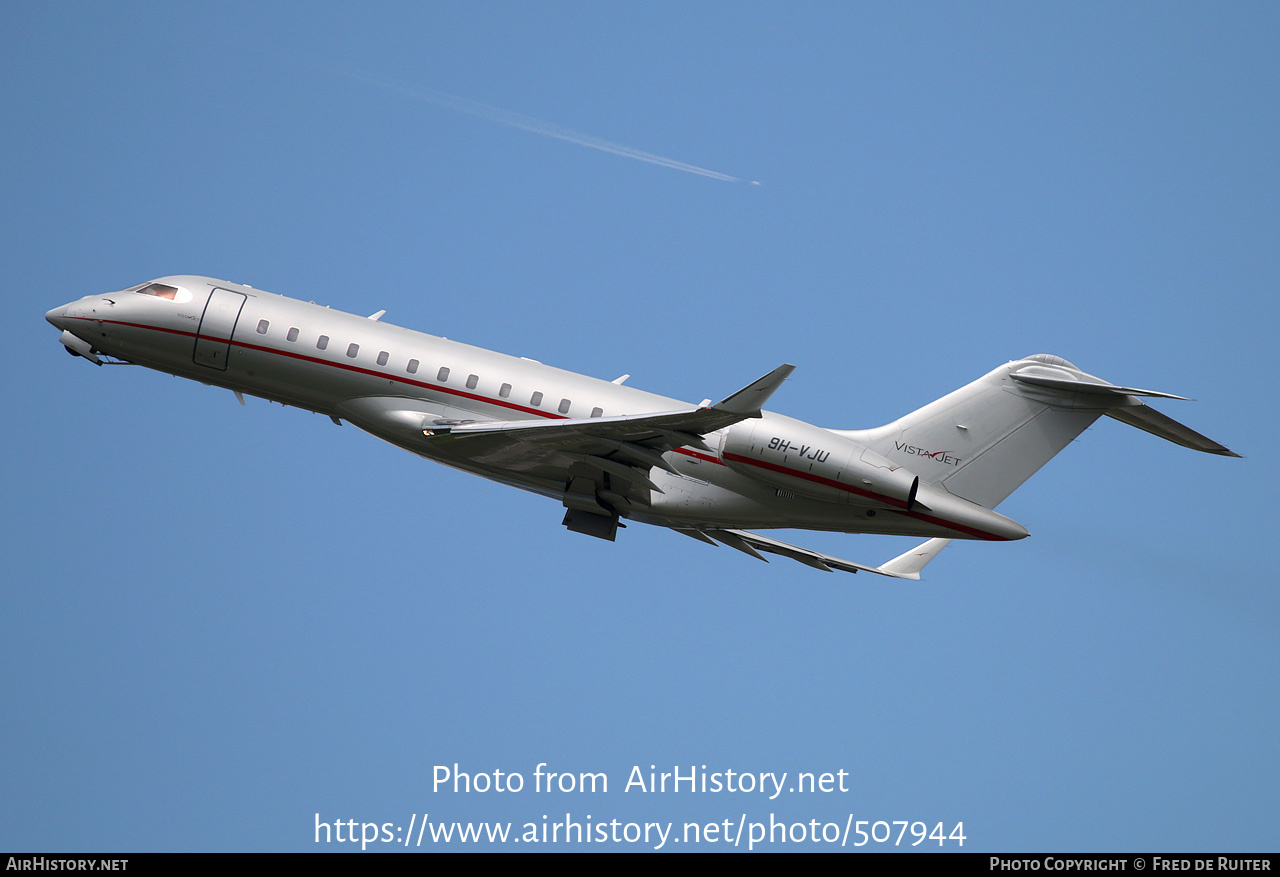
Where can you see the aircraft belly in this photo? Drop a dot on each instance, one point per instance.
(551, 488)
(288, 386)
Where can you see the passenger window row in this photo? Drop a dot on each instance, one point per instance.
(442, 376)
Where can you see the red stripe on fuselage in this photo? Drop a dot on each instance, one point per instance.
(502, 403)
(816, 479)
(951, 525)
(700, 456)
(828, 482)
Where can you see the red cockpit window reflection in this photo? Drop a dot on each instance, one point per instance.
(160, 290)
(165, 291)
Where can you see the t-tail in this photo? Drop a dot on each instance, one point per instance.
(985, 439)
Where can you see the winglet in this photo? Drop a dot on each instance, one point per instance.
(908, 565)
(748, 401)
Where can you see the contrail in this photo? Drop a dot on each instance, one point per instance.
(533, 126)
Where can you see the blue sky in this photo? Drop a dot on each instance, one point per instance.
(220, 621)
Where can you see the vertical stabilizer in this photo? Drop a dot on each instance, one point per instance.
(985, 439)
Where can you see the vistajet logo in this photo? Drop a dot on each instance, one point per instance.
(940, 456)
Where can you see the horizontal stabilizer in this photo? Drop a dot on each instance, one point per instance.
(904, 566)
(1150, 420)
(1057, 374)
(1089, 386)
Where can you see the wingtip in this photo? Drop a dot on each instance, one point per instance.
(909, 564)
(748, 401)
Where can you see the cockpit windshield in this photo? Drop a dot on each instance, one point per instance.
(165, 291)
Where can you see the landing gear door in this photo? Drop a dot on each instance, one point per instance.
(213, 338)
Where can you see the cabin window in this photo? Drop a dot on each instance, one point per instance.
(442, 375)
(504, 391)
(536, 399)
(472, 380)
(293, 334)
(263, 325)
(323, 342)
(383, 357)
(412, 367)
(353, 350)
(564, 406)
(597, 412)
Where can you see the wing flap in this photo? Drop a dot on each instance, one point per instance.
(626, 447)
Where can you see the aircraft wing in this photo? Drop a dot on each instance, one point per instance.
(904, 566)
(612, 453)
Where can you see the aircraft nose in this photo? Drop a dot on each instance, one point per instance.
(58, 316)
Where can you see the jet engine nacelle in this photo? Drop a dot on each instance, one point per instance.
(817, 463)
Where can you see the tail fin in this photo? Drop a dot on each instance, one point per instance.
(982, 441)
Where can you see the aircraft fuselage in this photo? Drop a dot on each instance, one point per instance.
(609, 452)
(313, 357)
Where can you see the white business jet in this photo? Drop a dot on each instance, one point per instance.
(608, 452)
